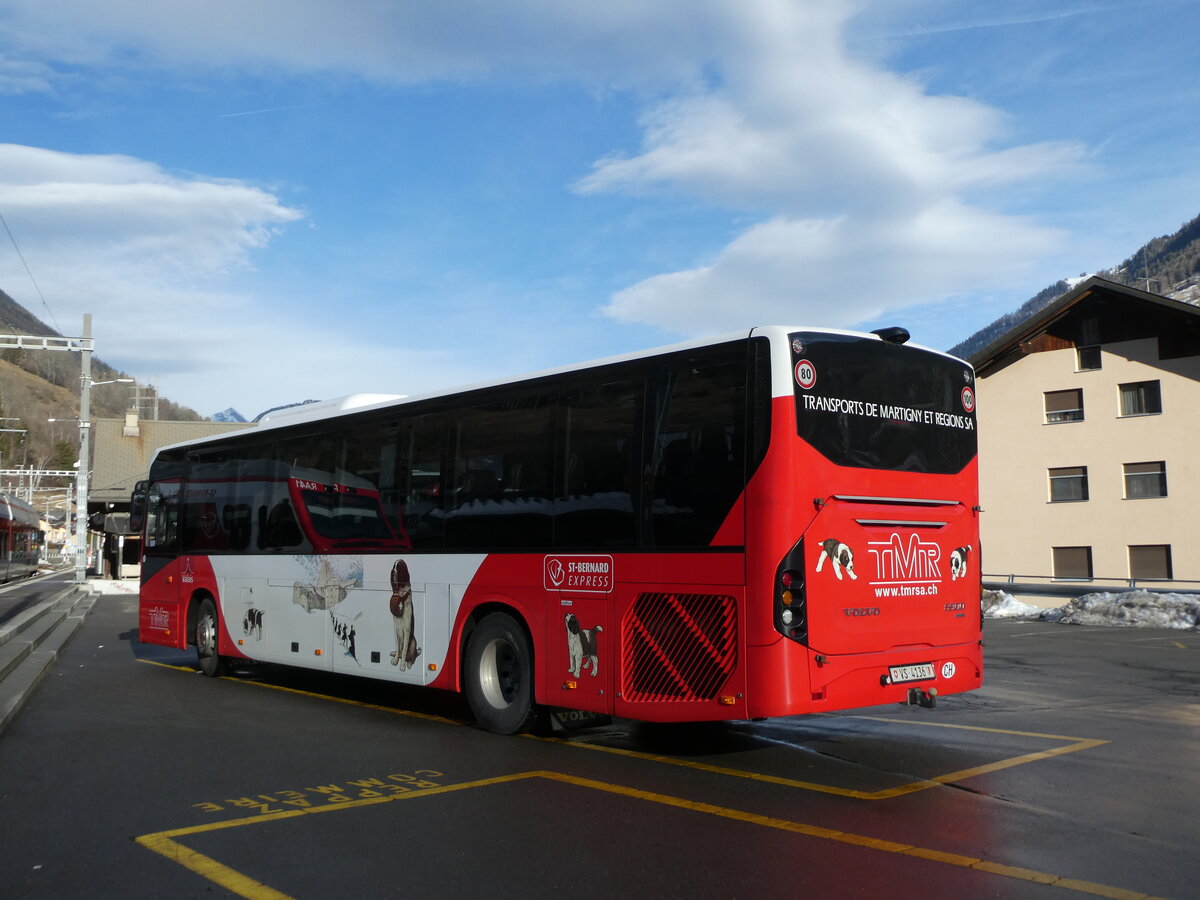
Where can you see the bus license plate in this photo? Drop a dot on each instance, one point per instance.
(918, 672)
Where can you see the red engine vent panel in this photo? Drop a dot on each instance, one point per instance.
(678, 647)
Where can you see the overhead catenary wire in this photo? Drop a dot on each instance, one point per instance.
(29, 272)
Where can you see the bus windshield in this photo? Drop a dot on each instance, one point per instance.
(876, 405)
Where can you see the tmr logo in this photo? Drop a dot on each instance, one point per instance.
(900, 563)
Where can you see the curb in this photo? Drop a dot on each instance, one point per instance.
(32, 641)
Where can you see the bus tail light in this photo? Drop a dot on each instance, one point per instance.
(791, 606)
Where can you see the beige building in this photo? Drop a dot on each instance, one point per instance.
(1089, 429)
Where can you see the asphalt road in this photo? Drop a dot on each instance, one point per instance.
(1073, 772)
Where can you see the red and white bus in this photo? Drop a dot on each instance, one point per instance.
(777, 522)
(20, 538)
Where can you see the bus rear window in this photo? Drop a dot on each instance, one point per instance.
(876, 405)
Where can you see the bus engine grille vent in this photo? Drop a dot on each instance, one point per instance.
(678, 647)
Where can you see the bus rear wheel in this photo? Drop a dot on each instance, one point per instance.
(499, 675)
(211, 662)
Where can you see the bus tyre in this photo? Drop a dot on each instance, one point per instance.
(212, 663)
(499, 675)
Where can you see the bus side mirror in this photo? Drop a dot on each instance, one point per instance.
(137, 506)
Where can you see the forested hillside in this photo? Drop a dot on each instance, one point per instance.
(37, 385)
(1168, 265)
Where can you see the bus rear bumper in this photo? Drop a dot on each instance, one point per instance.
(916, 676)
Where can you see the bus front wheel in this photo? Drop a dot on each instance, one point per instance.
(211, 662)
(499, 675)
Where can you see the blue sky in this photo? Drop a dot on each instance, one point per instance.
(287, 199)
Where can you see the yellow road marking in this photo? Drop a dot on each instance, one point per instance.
(884, 794)
(163, 665)
(287, 690)
(164, 842)
(209, 868)
(1075, 744)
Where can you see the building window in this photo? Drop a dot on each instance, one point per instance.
(1064, 406)
(1146, 479)
(1089, 332)
(1068, 483)
(1141, 398)
(1073, 562)
(1150, 561)
(1087, 358)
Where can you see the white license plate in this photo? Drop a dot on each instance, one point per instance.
(919, 672)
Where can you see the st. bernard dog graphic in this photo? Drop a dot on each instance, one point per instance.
(581, 647)
(401, 607)
(252, 623)
(840, 555)
(958, 562)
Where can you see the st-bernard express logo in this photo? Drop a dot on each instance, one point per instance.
(586, 574)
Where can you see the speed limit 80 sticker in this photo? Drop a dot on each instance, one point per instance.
(806, 374)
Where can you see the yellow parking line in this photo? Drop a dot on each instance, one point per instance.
(715, 770)
(287, 690)
(1074, 745)
(206, 867)
(164, 842)
(884, 794)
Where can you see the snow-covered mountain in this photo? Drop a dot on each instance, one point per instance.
(1168, 265)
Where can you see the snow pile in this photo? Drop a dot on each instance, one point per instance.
(1137, 608)
(999, 605)
(1141, 609)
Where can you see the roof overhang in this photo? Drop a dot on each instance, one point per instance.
(1010, 342)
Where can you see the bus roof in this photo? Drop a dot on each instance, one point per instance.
(327, 409)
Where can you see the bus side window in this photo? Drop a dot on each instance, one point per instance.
(422, 447)
(700, 447)
(503, 454)
(371, 452)
(595, 497)
(235, 519)
(278, 527)
(266, 468)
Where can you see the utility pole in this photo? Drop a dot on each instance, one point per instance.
(85, 426)
(82, 346)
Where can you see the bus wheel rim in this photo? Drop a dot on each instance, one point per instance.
(206, 636)
(499, 676)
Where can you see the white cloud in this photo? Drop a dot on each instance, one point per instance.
(102, 213)
(141, 248)
(868, 186)
(91, 215)
(619, 41)
(23, 77)
(868, 193)
(834, 272)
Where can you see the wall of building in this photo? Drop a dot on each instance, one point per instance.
(1020, 525)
